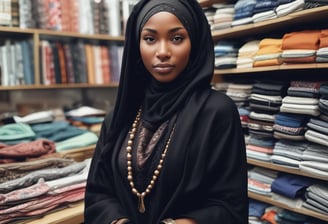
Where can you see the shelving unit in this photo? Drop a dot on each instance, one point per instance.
(36, 35)
(274, 26)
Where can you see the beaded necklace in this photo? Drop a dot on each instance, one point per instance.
(141, 196)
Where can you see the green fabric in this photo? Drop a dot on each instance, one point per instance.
(83, 140)
(16, 131)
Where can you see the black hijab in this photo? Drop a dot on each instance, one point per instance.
(160, 101)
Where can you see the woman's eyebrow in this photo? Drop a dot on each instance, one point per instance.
(175, 29)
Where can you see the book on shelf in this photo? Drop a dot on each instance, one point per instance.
(105, 64)
(28, 61)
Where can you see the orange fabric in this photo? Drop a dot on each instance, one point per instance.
(324, 38)
(270, 62)
(270, 216)
(269, 46)
(308, 39)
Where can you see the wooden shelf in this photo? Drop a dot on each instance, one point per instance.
(269, 200)
(59, 86)
(285, 169)
(273, 25)
(71, 215)
(254, 70)
(45, 33)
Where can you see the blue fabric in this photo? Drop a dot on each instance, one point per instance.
(291, 186)
(256, 208)
(291, 120)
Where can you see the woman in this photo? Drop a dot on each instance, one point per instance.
(173, 151)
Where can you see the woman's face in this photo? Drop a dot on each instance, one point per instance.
(164, 46)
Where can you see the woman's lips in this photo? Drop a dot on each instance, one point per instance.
(163, 68)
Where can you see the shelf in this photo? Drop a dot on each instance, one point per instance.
(208, 3)
(42, 32)
(59, 86)
(290, 20)
(71, 215)
(269, 200)
(283, 168)
(241, 71)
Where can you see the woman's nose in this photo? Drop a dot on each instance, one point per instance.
(163, 50)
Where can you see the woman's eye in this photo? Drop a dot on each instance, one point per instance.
(149, 39)
(177, 39)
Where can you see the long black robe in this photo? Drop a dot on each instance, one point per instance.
(204, 175)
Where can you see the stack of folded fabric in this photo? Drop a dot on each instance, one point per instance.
(246, 54)
(286, 216)
(260, 180)
(323, 101)
(286, 7)
(239, 93)
(322, 52)
(315, 160)
(265, 101)
(244, 10)
(226, 53)
(264, 10)
(302, 98)
(291, 188)
(209, 13)
(256, 210)
(267, 96)
(300, 46)
(290, 126)
(223, 16)
(314, 3)
(269, 52)
(317, 131)
(288, 152)
(42, 191)
(317, 198)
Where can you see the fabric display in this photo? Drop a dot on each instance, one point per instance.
(302, 98)
(264, 10)
(239, 93)
(209, 13)
(256, 209)
(36, 117)
(267, 96)
(309, 4)
(304, 89)
(243, 12)
(314, 160)
(42, 191)
(16, 133)
(286, 216)
(286, 7)
(10, 171)
(300, 105)
(223, 16)
(322, 52)
(290, 185)
(288, 152)
(226, 53)
(317, 198)
(290, 126)
(323, 101)
(300, 46)
(317, 131)
(260, 180)
(269, 52)
(246, 54)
